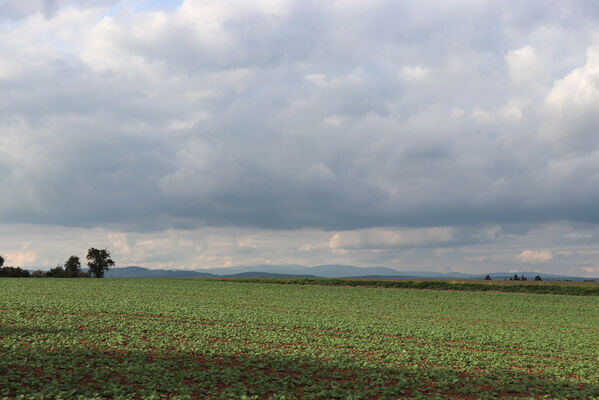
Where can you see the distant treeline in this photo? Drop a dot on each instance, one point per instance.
(14, 272)
(58, 272)
(98, 261)
(556, 288)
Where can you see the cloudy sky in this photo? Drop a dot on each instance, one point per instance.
(418, 135)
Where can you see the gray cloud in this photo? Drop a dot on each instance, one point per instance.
(16, 9)
(296, 115)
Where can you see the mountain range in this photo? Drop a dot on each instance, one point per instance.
(320, 271)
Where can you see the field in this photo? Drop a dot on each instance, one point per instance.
(210, 339)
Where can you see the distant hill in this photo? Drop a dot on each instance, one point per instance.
(139, 272)
(346, 271)
(321, 271)
(336, 271)
(267, 268)
(266, 275)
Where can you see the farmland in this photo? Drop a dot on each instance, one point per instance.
(211, 339)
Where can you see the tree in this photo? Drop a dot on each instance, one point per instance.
(538, 278)
(57, 272)
(84, 274)
(13, 272)
(1, 262)
(38, 274)
(488, 277)
(99, 261)
(516, 278)
(72, 268)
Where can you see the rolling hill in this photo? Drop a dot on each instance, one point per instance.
(321, 271)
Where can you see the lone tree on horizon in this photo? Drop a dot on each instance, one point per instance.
(99, 261)
(72, 268)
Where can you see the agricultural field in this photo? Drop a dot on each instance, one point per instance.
(193, 338)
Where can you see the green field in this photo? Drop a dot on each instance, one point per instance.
(209, 339)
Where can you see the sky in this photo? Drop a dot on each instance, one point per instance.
(416, 135)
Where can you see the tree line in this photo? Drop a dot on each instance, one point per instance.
(98, 261)
(516, 278)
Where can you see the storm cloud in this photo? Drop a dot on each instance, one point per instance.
(413, 124)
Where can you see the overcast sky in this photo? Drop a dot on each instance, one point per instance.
(416, 135)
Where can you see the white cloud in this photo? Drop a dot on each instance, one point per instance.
(188, 123)
(415, 73)
(208, 247)
(535, 256)
(525, 67)
(572, 107)
(219, 10)
(120, 242)
(8, 70)
(378, 238)
(246, 242)
(457, 112)
(334, 120)
(508, 113)
(577, 236)
(579, 87)
(23, 256)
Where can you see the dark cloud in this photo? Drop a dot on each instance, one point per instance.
(299, 115)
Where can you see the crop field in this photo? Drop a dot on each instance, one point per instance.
(193, 338)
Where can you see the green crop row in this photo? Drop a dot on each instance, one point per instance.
(201, 339)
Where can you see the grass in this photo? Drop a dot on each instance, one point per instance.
(194, 338)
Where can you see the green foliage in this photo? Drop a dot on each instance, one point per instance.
(72, 268)
(38, 274)
(84, 274)
(56, 272)
(98, 262)
(14, 272)
(188, 338)
(1, 261)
